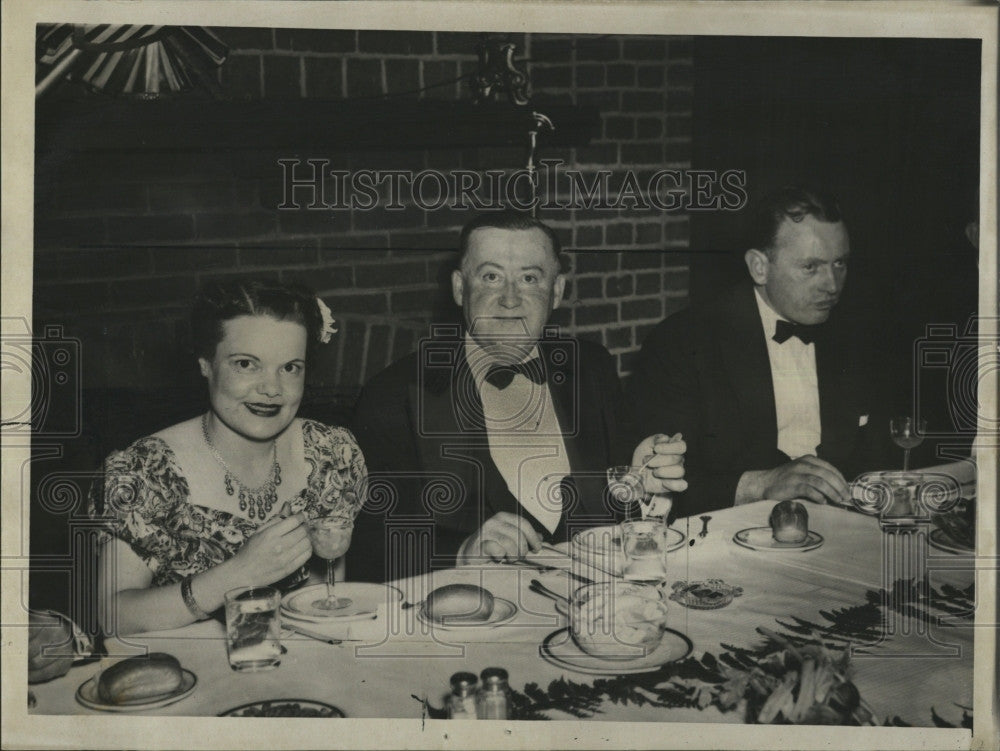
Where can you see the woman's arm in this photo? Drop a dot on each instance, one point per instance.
(127, 604)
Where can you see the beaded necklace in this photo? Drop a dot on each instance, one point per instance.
(259, 501)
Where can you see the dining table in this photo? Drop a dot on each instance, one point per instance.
(896, 609)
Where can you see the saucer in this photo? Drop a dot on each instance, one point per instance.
(365, 600)
(938, 539)
(762, 538)
(87, 696)
(285, 708)
(503, 611)
(560, 649)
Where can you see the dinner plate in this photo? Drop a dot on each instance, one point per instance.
(591, 547)
(87, 696)
(560, 649)
(365, 599)
(938, 539)
(503, 611)
(762, 538)
(284, 708)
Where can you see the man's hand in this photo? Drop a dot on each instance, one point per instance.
(663, 457)
(504, 536)
(808, 477)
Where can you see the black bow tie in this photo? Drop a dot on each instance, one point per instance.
(500, 376)
(785, 330)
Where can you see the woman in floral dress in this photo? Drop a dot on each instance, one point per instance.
(220, 501)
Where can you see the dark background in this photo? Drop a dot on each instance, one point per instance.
(124, 237)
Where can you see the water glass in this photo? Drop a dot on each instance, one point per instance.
(617, 620)
(253, 628)
(644, 545)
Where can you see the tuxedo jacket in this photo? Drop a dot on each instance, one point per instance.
(432, 480)
(705, 372)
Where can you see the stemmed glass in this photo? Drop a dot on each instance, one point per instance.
(907, 433)
(331, 537)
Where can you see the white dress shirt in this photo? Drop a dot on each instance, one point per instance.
(796, 387)
(525, 438)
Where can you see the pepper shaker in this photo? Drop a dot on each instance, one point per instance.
(493, 699)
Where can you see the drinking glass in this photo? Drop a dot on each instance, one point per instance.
(644, 544)
(626, 486)
(907, 433)
(617, 620)
(331, 537)
(253, 628)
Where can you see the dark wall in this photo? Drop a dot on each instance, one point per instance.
(892, 127)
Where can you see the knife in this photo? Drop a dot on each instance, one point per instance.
(311, 634)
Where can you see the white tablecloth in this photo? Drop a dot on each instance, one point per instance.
(392, 677)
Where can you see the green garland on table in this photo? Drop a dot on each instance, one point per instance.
(765, 681)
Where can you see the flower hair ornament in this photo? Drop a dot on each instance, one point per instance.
(329, 324)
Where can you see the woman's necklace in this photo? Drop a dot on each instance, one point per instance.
(259, 501)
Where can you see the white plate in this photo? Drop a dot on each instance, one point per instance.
(601, 547)
(365, 599)
(503, 611)
(762, 538)
(560, 649)
(938, 539)
(87, 695)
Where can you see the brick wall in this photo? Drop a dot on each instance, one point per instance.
(124, 239)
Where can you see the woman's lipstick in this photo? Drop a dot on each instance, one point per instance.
(263, 410)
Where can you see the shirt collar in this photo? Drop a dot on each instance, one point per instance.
(479, 361)
(768, 316)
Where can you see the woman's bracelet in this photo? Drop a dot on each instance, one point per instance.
(189, 601)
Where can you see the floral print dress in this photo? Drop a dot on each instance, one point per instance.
(145, 502)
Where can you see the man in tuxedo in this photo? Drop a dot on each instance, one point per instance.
(495, 438)
(773, 398)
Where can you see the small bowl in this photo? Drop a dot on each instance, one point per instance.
(617, 620)
(709, 594)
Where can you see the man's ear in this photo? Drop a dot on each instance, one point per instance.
(758, 265)
(558, 289)
(457, 286)
(205, 366)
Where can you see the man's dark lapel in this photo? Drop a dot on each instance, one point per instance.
(748, 368)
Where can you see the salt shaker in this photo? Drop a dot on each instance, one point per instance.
(462, 702)
(493, 699)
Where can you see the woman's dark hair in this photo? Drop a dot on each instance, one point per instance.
(793, 202)
(218, 302)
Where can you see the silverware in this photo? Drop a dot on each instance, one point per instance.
(311, 634)
(704, 529)
(539, 588)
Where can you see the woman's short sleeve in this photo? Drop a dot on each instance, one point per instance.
(136, 496)
(338, 478)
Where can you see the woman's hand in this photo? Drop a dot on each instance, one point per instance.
(277, 549)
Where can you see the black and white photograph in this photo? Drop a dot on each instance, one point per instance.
(547, 375)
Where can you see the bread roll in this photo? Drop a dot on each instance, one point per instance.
(140, 678)
(459, 602)
(789, 522)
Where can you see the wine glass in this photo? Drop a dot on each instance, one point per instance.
(907, 433)
(331, 537)
(626, 487)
